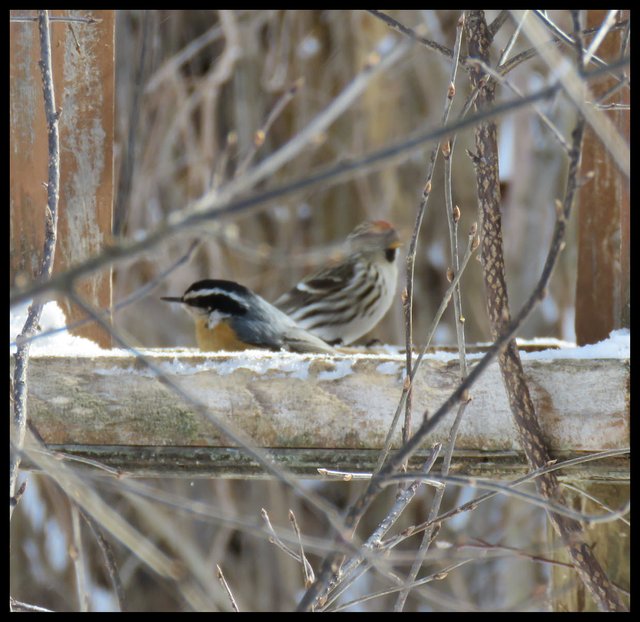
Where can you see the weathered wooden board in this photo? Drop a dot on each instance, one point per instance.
(112, 409)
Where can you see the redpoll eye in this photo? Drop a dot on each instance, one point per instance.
(390, 254)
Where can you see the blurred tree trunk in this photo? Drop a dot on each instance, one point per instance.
(602, 292)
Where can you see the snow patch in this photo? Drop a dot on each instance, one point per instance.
(58, 343)
(390, 368)
(616, 346)
(341, 369)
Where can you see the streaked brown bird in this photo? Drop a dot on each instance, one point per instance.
(342, 302)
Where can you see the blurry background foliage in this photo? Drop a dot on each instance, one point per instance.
(182, 126)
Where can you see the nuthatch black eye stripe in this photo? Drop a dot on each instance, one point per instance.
(223, 303)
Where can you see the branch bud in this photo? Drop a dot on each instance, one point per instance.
(372, 60)
(258, 138)
(298, 84)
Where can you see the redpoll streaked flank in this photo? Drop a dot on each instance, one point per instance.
(342, 302)
(229, 316)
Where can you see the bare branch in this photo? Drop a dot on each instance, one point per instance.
(56, 18)
(20, 389)
(227, 589)
(414, 35)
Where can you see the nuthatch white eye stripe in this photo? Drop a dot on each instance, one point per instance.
(230, 289)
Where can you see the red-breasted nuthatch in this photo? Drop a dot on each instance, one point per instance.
(229, 316)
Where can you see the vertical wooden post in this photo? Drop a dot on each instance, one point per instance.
(602, 305)
(602, 291)
(83, 73)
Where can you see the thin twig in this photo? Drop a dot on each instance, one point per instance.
(561, 38)
(16, 605)
(471, 247)
(512, 40)
(565, 38)
(485, 546)
(595, 500)
(344, 476)
(13, 501)
(500, 79)
(20, 388)
(309, 576)
(55, 18)
(227, 589)
(275, 539)
(612, 106)
(411, 254)
(59, 455)
(260, 134)
(604, 29)
(109, 559)
(534, 499)
(436, 576)
(498, 22)
(76, 552)
(220, 170)
(429, 534)
(453, 217)
(452, 220)
(473, 504)
(413, 34)
(173, 64)
(346, 577)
